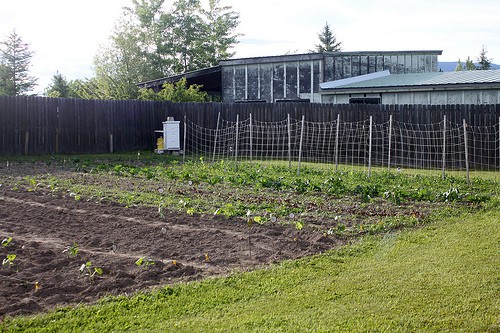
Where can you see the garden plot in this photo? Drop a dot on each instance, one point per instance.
(76, 231)
(44, 228)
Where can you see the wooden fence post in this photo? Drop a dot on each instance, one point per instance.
(216, 134)
(300, 145)
(390, 142)
(111, 143)
(444, 146)
(251, 137)
(466, 152)
(289, 141)
(337, 143)
(370, 148)
(26, 142)
(236, 141)
(184, 142)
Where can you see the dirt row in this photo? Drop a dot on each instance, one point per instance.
(111, 237)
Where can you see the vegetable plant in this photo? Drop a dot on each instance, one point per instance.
(6, 241)
(88, 270)
(145, 262)
(72, 250)
(9, 260)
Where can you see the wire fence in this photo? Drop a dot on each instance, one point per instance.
(443, 146)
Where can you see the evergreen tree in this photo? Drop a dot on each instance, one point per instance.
(469, 65)
(59, 87)
(459, 67)
(15, 58)
(483, 61)
(328, 41)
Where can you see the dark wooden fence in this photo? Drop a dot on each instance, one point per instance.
(39, 125)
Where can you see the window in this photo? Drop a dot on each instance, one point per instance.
(364, 100)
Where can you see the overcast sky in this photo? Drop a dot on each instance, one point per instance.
(66, 34)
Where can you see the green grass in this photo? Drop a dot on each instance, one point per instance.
(441, 278)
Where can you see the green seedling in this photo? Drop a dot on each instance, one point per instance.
(90, 271)
(299, 225)
(6, 241)
(160, 211)
(9, 260)
(72, 250)
(75, 196)
(258, 219)
(144, 262)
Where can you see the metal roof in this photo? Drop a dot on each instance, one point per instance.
(416, 80)
(354, 80)
(319, 56)
(209, 78)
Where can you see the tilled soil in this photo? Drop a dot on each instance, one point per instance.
(182, 247)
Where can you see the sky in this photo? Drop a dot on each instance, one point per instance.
(66, 34)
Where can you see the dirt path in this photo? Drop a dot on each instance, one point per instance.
(113, 237)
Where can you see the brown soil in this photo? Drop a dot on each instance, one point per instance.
(112, 237)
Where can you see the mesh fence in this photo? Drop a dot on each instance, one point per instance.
(364, 144)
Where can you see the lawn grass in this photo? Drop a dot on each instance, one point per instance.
(440, 278)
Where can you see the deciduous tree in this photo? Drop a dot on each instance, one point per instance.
(150, 42)
(176, 92)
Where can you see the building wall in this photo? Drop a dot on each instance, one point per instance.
(272, 81)
(434, 97)
(295, 77)
(344, 66)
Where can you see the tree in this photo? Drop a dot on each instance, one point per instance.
(133, 55)
(483, 61)
(176, 92)
(86, 89)
(328, 41)
(469, 65)
(219, 34)
(150, 42)
(15, 58)
(59, 87)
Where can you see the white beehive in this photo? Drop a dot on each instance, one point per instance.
(171, 135)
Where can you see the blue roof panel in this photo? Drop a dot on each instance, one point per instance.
(417, 79)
